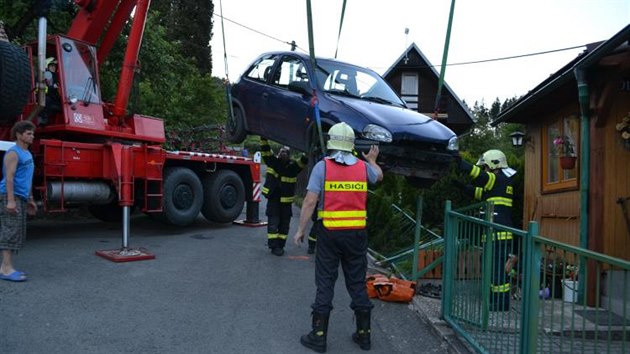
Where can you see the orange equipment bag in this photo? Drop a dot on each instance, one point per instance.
(370, 279)
(392, 289)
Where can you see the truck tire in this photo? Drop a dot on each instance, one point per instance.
(224, 196)
(183, 196)
(15, 81)
(235, 127)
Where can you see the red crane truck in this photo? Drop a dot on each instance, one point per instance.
(92, 152)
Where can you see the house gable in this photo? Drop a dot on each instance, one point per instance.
(412, 67)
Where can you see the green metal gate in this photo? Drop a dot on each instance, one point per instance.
(563, 299)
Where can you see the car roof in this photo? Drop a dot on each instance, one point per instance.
(307, 57)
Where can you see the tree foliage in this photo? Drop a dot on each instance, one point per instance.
(20, 17)
(173, 79)
(189, 23)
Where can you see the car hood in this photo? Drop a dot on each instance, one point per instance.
(403, 123)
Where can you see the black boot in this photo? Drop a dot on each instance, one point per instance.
(316, 339)
(362, 335)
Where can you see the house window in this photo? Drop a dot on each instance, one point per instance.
(409, 89)
(554, 177)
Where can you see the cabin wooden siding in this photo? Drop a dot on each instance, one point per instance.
(558, 213)
(614, 164)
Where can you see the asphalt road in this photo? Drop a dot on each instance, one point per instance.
(211, 289)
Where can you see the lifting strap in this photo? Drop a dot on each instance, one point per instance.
(343, 12)
(314, 100)
(228, 86)
(438, 95)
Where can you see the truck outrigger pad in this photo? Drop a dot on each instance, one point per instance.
(126, 255)
(245, 222)
(251, 216)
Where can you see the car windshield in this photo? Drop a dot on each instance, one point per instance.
(353, 81)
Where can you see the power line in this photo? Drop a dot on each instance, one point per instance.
(515, 56)
(261, 33)
(292, 43)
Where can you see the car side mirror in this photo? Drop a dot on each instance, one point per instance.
(300, 87)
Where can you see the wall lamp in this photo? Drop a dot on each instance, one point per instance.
(517, 138)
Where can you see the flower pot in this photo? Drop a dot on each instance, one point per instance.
(567, 162)
(570, 290)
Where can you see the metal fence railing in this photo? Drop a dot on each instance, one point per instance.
(408, 262)
(549, 297)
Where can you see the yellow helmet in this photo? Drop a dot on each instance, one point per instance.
(493, 159)
(340, 137)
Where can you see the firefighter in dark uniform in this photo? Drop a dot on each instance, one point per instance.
(337, 187)
(53, 97)
(492, 182)
(279, 189)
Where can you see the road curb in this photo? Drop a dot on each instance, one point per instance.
(429, 309)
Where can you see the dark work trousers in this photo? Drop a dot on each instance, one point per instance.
(278, 221)
(348, 247)
(500, 291)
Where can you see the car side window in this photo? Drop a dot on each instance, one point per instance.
(261, 69)
(291, 69)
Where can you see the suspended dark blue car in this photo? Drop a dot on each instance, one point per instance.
(274, 99)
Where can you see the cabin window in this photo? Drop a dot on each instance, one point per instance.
(409, 89)
(554, 177)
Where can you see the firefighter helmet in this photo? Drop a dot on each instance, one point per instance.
(340, 137)
(284, 150)
(493, 159)
(51, 60)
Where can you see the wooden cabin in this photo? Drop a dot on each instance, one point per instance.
(583, 107)
(415, 80)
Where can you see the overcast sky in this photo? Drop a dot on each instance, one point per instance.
(373, 35)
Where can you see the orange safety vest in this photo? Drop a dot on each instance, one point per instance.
(345, 196)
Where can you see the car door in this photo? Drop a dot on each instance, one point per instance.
(287, 113)
(253, 89)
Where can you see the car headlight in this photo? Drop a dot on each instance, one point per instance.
(453, 144)
(378, 133)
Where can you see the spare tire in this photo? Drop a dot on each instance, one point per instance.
(15, 81)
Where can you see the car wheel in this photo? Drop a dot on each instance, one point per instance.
(15, 81)
(236, 127)
(183, 196)
(224, 196)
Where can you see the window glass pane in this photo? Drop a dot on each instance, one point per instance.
(409, 85)
(552, 158)
(79, 70)
(288, 71)
(261, 69)
(564, 130)
(571, 132)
